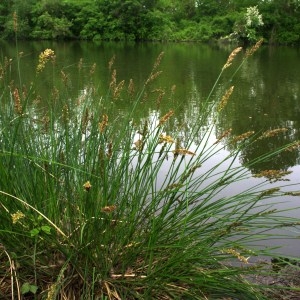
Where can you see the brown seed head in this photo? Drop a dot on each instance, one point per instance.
(118, 89)
(87, 186)
(254, 48)
(271, 133)
(183, 152)
(15, 19)
(292, 193)
(17, 216)
(273, 175)
(242, 137)
(17, 99)
(225, 98)
(103, 124)
(153, 76)
(109, 149)
(113, 82)
(84, 120)
(139, 145)
(44, 57)
(158, 61)
(294, 146)
(108, 209)
(166, 117)
(268, 192)
(166, 139)
(236, 254)
(223, 135)
(231, 57)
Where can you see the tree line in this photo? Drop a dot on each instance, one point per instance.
(277, 21)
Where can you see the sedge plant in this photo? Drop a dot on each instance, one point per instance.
(95, 204)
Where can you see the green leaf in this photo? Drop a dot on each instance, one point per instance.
(34, 232)
(33, 289)
(46, 229)
(25, 288)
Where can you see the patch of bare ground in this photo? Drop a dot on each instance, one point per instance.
(279, 283)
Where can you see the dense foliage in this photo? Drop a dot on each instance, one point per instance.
(200, 20)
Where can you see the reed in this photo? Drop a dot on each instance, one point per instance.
(87, 214)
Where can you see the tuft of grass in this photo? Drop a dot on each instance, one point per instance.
(96, 204)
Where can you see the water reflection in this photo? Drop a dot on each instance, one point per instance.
(266, 94)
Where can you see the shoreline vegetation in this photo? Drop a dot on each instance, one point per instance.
(236, 21)
(85, 215)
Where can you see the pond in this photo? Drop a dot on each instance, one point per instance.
(266, 94)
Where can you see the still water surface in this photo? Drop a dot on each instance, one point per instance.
(266, 94)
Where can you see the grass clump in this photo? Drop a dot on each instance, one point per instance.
(101, 205)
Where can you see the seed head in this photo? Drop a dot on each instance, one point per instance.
(223, 135)
(15, 19)
(294, 146)
(268, 192)
(271, 133)
(254, 48)
(158, 60)
(236, 254)
(273, 175)
(242, 137)
(109, 149)
(44, 57)
(118, 89)
(103, 124)
(17, 216)
(231, 57)
(87, 186)
(139, 145)
(153, 76)
(292, 193)
(84, 120)
(166, 139)
(113, 81)
(166, 117)
(108, 209)
(225, 98)
(17, 99)
(181, 151)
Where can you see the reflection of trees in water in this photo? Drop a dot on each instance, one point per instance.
(281, 161)
(266, 97)
(242, 116)
(271, 103)
(259, 124)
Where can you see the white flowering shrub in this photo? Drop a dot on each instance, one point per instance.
(247, 28)
(253, 17)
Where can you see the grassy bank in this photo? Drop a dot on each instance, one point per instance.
(96, 204)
